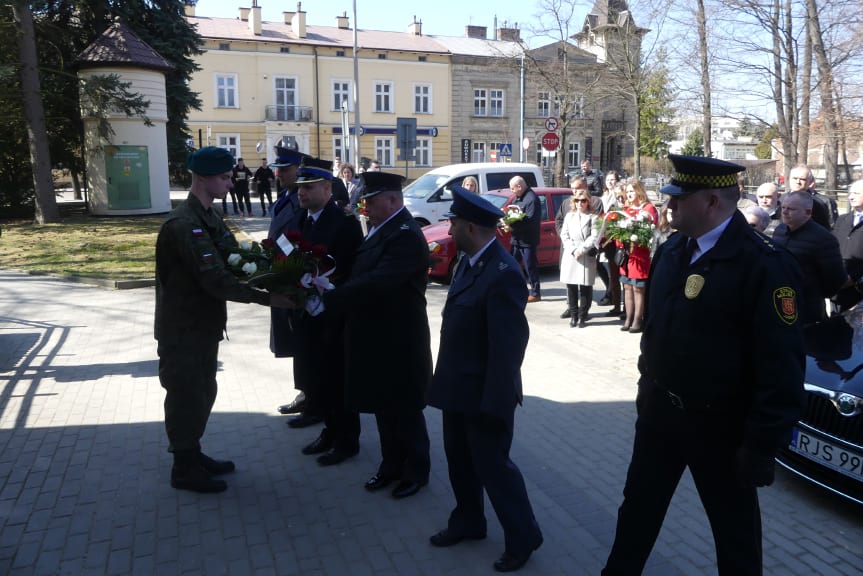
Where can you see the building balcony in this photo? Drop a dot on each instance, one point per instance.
(289, 113)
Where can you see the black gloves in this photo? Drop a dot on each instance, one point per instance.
(754, 469)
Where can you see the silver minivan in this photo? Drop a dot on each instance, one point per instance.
(429, 197)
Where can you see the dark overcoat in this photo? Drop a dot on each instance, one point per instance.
(387, 341)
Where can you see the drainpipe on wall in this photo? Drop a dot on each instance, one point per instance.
(317, 104)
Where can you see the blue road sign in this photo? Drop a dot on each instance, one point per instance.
(506, 149)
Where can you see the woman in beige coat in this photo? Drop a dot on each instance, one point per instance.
(578, 245)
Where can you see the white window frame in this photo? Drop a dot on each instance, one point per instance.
(480, 101)
(478, 152)
(496, 96)
(292, 111)
(423, 98)
(423, 152)
(573, 155)
(226, 96)
(385, 151)
(337, 148)
(230, 142)
(386, 103)
(334, 90)
(543, 104)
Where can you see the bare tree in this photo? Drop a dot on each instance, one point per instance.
(34, 113)
(706, 106)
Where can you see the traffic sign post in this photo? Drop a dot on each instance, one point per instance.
(550, 141)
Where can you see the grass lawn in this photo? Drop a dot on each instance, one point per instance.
(115, 248)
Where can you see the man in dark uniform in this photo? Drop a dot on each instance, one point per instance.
(477, 384)
(388, 346)
(241, 177)
(593, 178)
(525, 234)
(319, 367)
(192, 285)
(708, 399)
(824, 208)
(264, 176)
(286, 214)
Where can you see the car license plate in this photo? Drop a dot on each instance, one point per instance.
(827, 454)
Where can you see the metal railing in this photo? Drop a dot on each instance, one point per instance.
(289, 113)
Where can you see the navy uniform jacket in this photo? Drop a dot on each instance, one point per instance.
(192, 281)
(525, 232)
(483, 339)
(286, 216)
(735, 345)
(388, 345)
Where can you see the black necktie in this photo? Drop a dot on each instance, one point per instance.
(308, 225)
(688, 251)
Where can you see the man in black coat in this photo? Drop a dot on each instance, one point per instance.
(525, 234)
(477, 384)
(593, 178)
(319, 366)
(848, 231)
(816, 250)
(707, 398)
(824, 209)
(388, 346)
(767, 197)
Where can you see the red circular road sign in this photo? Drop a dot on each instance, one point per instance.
(550, 141)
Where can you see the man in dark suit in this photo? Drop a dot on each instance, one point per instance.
(319, 367)
(286, 215)
(388, 346)
(849, 232)
(525, 233)
(824, 209)
(477, 384)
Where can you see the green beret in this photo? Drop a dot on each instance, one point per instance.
(210, 160)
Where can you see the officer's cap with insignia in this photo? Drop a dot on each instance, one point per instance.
(692, 173)
(314, 170)
(473, 208)
(376, 182)
(286, 157)
(210, 160)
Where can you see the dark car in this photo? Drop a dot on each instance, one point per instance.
(442, 248)
(827, 444)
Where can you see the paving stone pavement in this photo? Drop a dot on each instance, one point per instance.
(84, 469)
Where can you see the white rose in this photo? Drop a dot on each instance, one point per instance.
(234, 259)
(245, 245)
(250, 268)
(624, 224)
(634, 238)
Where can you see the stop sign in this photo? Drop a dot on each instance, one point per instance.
(550, 141)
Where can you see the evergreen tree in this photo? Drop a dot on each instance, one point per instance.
(694, 145)
(655, 111)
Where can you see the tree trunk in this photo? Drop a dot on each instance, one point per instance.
(34, 114)
(825, 84)
(805, 100)
(706, 111)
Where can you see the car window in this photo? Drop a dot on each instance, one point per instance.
(558, 200)
(529, 177)
(425, 185)
(543, 207)
(500, 180)
(496, 199)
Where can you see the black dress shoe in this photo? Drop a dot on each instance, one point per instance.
(509, 562)
(378, 482)
(572, 322)
(336, 456)
(638, 330)
(215, 467)
(196, 479)
(407, 488)
(320, 445)
(295, 407)
(582, 323)
(566, 313)
(613, 312)
(447, 537)
(304, 420)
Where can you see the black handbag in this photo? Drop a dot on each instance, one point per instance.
(621, 256)
(592, 252)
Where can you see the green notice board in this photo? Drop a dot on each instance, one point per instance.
(128, 171)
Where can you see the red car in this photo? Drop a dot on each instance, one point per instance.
(442, 248)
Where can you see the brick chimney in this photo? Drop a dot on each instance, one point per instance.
(255, 20)
(343, 22)
(189, 10)
(415, 28)
(298, 22)
(509, 34)
(244, 14)
(476, 31)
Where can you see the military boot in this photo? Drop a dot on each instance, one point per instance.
(215, 467)
(188, 474)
